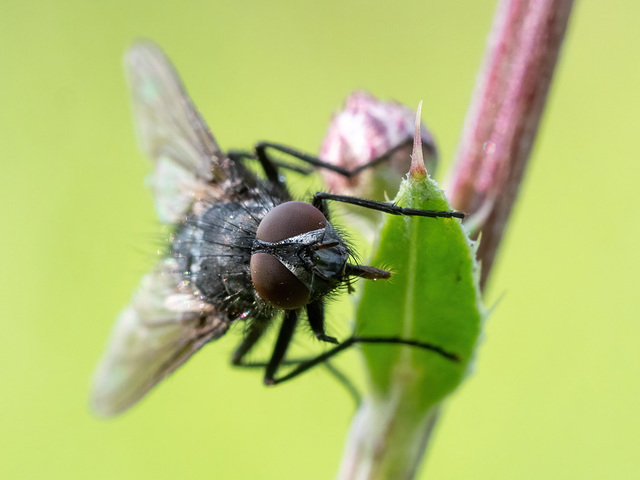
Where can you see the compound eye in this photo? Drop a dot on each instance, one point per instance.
(276, 284)
(271, 279)
(288, 220)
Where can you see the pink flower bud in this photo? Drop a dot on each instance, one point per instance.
(367, 129)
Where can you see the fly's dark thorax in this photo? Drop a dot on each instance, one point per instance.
(213, 250)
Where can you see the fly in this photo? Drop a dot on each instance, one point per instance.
(241, 250)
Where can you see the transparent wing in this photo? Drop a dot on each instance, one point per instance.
(170, 132)
(162, 327)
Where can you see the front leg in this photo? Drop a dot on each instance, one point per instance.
(320, 197)
(315, 314)
(289, 323)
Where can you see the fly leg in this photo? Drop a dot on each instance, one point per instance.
(269, 166)
(256, 331)
(320, 359)
(315, 314)
(282, 343)
(334, 371)
(277, 358)
(261, 153)
(320, 197)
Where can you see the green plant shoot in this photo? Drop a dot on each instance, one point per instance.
(432, 297)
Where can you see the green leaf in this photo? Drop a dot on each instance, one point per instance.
(432, 297)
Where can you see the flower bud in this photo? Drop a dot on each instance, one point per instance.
(365, 130)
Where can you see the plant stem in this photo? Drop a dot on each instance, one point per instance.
(504, 115)
(387, 439)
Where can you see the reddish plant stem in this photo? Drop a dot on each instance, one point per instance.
(504, 115)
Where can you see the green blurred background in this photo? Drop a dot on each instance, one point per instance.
(554, 393)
